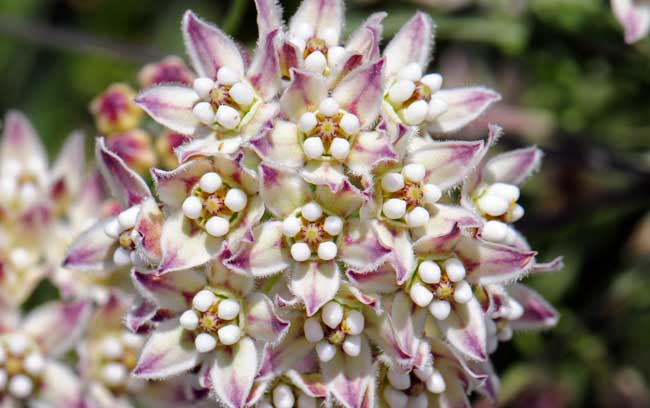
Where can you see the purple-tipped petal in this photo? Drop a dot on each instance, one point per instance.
(269, 16)
(465, 329)
(326, 17)
(172, 291)
(168, 351)
(538, 313)
(207, 146)
(138, 318)
(513, 167)
(21, 144)
(344, 200)
(283, 190)
(436, 245)
(70, 164)
(171, 106)
(360, 249)
(399, 241)
(369, 150)
(488, 263)
(125, 184)
(634, 16)
(279, 358)
(174, 186)
(148, 229)
(305, 92)
(464, 106)
(92, 251)
(407, 321)
(280, 145)
(413, 43)
(360, 93)
(315, 284)
(233, 372)
(262, 323)
(209, 48)
(380, 280)
(264, 72)
(220, 276)
(365, 40)
(266, 255)
(311, 384)
(557, 264)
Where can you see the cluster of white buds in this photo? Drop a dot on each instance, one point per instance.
(407, 389)
(21, 366)
(320, 53)
(121, 228)
(286, 396)
(311, 231)
(213, 204)
(341, 326)
(412, 95)
(119, 355)
(405, 195)
(498, 204)
(328, 131)
(225, 102)
(436, 284)
(212, 317)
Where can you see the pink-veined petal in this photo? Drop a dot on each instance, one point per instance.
(70, 164)
(233, 372)
(407, 320)
(269, 16)
(360, 93)
(290, 57)
(305, 92)
(344, 201)
(60, 387)
(279, 358)
(538, 313)
(266, 255)
(513, 167)
(464, 106)
(283, 190)
(220, 276)
(634, 16)
(315, 283)
(365, 40)
(173, 291)
(207, 146)
(148, 228)
(138, 318)
(436, 245)
(490, 385)
(488, 263)
(125, 184)
(324, 173)
(360, 249)
(280, 145)
(311, 384)
(326, 18)
(262, 323)
(465, 329)
(380, 280)
(399, 241)
(209, 48)
(413, 43)
(93, 250)
(557, 264)
(368, 150)
(171, 106)
(21, 144)
(264, 72)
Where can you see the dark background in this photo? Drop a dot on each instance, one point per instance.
(570, 85)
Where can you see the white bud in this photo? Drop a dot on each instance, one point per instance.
(394, 398)
(392, 182)
(217, 226)
(307, 122)
(432, 81)
(332, 314)
(236, 199)
(305, 401)
(412, 72)
(189, 320)
(112, 348)
(204, 113)
(420, 295)
(330, 36)
(228, 309)
(192, 207)
(203, 300)
(431, 193)
(122, 257)
(204, 343)
(394, 208)
(511, 236)
(352, 345)
(228, 117)
(127, 218)
(493, 205)
(299, 43)
(414, 172)
(429, 272)
(419, 401)
(325, 351)
(210, 182)
(112, 229)
(312, 211)
(20, 258)
(354, 322)
(17, 344)
(3, 379)
(334, 55)
(316, 62)
(34, 364)
(505, 334)
(227, 76)
(313, 147)
(516, 214)
(494, 231)
(437, 107)
(399, 379)
(304, 31)
(313, 330)
(20, 386)
(291, 226)
(401, 91)
(455, 269)
(435, 383)
(440, 309)
(132, 340)
(416, 112)
(417, 217)
(350, 124)
(339, 148)
(242, 93)
(423, 372)
(28, 193)
(283, 397)
(114, 373)
(327, 250)
(508, 191)
(229, 334)
(333, 225)
(328, 107)
(516, 310)
(300, 252)
(462, 292)
(203, 87)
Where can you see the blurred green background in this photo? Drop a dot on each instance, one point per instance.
(570, 84)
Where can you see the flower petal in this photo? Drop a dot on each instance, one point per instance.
(554, 265)
(370, 149)
(399, 241)
(280, 145)
(279, 358)
(380, 280)
(324, 173)
(172, 291)
(515, 166)
(465, 329)
(326, 17)
(266, 255)
(413, 43)
(360, 249)
(361, 92)
(125, 185)
(269, 16)
(634, 17)
(92, 250)
(538, 313)
(488, 263)
(407, 320)
(283, 190)
(264, 72)
(233, 372)
(171, 106)
(344, 201)
(149, 228)
(220, 276)
(175, 185)
(20, 143)
(365, 40)
(60, 388)
(70, 164)
(262, 323)
(436, 245)
(207, 146)
(310, 384)
(463, 106)
(315, 284)
(209, 48)
(138, 318)
(305, 92)
(168, 351)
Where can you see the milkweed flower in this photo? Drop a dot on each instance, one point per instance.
(634, 16)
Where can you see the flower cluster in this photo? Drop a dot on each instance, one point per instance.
(321, 239)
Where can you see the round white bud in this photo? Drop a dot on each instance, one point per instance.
(203, 86)
(332, 314)
(114, 373)
(328, 107)
(352, 345)
(417, 217)
(462, 292)
(307, 122)
(242, 93)
(394, 208)
(132, 340)
(217, 226)
(325, 351)
(401, 91)
(300, 251)
(494, 231)
(227, 76)
(327, 250)
(305, 401)
(204, 113)
(414, 172)
(112, 228)
(333, 225)
(236, 199)
(311, 211)
(313, 147)
(394, 398)
(334, 55)
(508, 191)
(20, 386)
(339, 148)
(204, 343)
(127, 218)
(419, 401)
(432, 81)
(516, 214)
(228, 117)
(192, 207)
(493, 205)
(283, 397)
(121, 257)
(431, 193)
(420, 295)
(423, 372)
(229, 334)
(17, 344)
(350, 124)
(112, 348)
(354, 322)
(316, 62)
(392, 182)
(228, 309)
(210, 182)
(440, 309)
(505, 334)
(291, 226)
(313, 330)
(455, 269)
(34, 364)
(429, 272)
(203, 300)
(411, 71)
(304, 31)
(516, 310)
(189, 320)
(399, 379)
(437, 107)
(511, 237)
(416, 112)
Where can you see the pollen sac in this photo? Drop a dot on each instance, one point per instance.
(225, 104)
(497, 203)
(214, 205)
(213, 319)
(114, 110)
(412, 96)
(337, 325)
(116, 355)
(312, 234)
(121, 229)
(21, 366)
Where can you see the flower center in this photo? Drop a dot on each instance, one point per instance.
(338, 326)
(121, 229)
(119, 355)
(21, 366)
(409, 388)
(310, 231)
(320, 54)
(497, 203)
